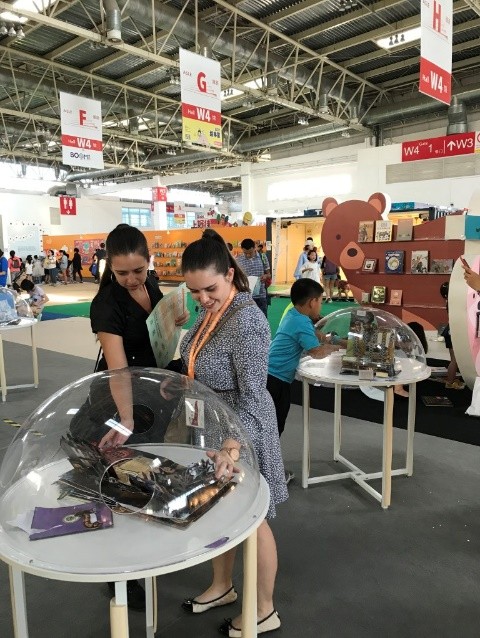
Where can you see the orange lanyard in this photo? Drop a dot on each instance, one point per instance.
(210, 325)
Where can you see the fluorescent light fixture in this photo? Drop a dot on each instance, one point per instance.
(227, 94)
(12, 17)
(401, 37)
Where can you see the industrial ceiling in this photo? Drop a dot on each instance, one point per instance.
(291, 71)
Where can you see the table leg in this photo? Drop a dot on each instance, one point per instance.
(306, 434)
(337, 422)
(151, 606)
(387, 447)
(19, 607)
(249, 607)
(3, 378)
(412, 405)
(119, 612)
(33, 329)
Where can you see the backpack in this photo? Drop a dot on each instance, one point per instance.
(16, 263)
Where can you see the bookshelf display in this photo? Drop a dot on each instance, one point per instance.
(167, 246)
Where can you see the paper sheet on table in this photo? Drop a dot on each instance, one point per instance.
(164, 334)
(254, 283)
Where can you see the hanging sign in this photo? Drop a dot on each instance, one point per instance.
(159, 194)
(201, 103)
(81, 122)
(68, 205)
(436, 49)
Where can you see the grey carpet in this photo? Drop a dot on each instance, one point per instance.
(347, 568)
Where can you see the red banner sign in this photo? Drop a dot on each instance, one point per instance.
(159, 193)
(68, 205)
(436, 147)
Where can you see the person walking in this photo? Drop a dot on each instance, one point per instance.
(77, 266)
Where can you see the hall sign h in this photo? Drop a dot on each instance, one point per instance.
(438, 147)
(436, 19)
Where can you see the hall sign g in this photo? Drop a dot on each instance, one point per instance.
(202, 82)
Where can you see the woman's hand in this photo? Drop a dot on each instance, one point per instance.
(117, 435)
(471, 277)
(182, 319)
(224, 465)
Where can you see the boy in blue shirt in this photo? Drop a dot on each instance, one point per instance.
(295, 335)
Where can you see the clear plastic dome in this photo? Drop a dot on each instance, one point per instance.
(23, 307)
(374, 340)
(8, 310)
(62, 457)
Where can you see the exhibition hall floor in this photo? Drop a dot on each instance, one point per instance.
(347, 569)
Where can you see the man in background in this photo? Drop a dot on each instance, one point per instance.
(3, 269)
(255, 264)
(101, 255)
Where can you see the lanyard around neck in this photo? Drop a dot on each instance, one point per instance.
(198, 344)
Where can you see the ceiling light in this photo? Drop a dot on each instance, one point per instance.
(302, 120)
(3, 29)
(342, 7)
(12, 33)
(20, 33)
(389, 41)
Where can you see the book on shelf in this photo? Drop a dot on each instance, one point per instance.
(369, 264)
(419, 262)
(48, 522)
(395, 298)
(437, 402)
(383, 230)
(394, 261)
(441, 266)
(378, 294)
(365, 297)
(404, 230)
(366, 231)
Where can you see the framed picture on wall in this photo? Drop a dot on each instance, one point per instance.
(369, 265)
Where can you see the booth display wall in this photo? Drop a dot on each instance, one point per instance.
(420, 298)
(293, 235)
(167, 246)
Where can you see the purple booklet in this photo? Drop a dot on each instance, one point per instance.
(60, 521)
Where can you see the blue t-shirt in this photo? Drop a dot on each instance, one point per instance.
(3, 268)
(295, 334)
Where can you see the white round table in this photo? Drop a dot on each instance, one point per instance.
(314, 371)
(132, 548)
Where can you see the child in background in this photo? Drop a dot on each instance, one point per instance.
(342, 289)
(37, 297)
(29, 267)
(295, 335)
(311, 269)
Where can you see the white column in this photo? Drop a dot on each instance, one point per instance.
(159, 213)
(247, 187)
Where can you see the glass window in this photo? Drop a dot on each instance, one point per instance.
(139, 217)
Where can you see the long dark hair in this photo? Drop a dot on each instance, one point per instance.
(211, 252)
(123, 240)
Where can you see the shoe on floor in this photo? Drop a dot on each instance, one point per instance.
(270, 623)
(135, 594)
(455, 385)
(194, 607)
(289, 476)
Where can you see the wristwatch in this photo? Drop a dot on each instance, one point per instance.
(233, 452)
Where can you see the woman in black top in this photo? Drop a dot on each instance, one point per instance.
(118, 316)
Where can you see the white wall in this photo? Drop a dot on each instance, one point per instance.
(93, 215)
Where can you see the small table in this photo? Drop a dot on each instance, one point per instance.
(132, 548)
(311, 371)
(24, 323)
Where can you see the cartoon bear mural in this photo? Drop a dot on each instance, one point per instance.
(421, 298)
